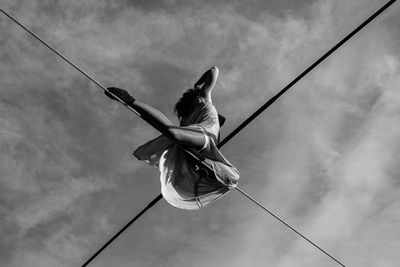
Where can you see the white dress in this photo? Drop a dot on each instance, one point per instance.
(184, 182)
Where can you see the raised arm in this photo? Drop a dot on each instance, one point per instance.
(207, 82)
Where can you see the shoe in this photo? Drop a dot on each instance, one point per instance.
(121, 94)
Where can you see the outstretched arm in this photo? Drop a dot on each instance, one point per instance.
(207, 82)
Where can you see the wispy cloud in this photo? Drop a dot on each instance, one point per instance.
(324, 156)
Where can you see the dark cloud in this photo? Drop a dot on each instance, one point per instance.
(250, 9)
(324, 156)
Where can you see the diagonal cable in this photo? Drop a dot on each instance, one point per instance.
(234, 132)
(66, 59)
(304, 73)
(151, 204)
(289, 226)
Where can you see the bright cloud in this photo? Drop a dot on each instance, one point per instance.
(324, 156)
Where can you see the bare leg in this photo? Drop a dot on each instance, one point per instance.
(182, 135)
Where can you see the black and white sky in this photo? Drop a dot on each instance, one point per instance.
(324, 157)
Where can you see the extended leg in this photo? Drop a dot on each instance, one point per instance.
(182, 135)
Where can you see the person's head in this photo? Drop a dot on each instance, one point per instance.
(185, 104)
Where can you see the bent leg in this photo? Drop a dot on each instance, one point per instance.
(182, 135)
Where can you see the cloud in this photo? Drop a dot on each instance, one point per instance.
(323, 156)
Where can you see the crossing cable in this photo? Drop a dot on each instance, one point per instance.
(159, 197)
(257, 113)
(233, 133)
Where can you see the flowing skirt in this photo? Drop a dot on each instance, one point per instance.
(185, 183)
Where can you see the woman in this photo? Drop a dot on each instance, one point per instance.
(185, 183)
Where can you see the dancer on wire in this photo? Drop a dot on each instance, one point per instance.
(184, 182)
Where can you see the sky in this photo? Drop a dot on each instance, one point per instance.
(324, 156)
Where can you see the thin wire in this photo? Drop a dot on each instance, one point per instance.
(288, 225)
(66, 59)
(54, 50)
(233, 133)
(267, 210)
(316, 63)
(151, 204)
(272, 100)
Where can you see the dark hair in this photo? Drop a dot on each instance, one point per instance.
(185, 104)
